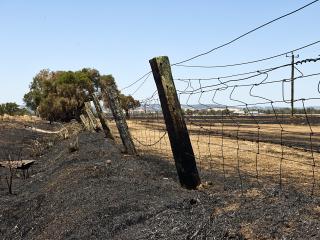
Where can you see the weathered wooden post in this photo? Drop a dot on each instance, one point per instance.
(91, 116)
(86, 122)
(108, 84)
(102, 117)
(176, 126)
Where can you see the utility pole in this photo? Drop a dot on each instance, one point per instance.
(292, 81)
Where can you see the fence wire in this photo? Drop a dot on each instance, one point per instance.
(241, 126)
(148, 129)
(250, 133)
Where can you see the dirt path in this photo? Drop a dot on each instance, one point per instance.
(81, 195)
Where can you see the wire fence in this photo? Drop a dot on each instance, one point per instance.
(241, 126)
(253, 126)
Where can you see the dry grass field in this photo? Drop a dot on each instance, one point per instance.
(276, 154)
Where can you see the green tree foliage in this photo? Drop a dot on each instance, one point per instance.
(61, 95)
(12, 109)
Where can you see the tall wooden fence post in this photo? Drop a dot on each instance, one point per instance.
(176, 126)
(112, 94)
(102, 117)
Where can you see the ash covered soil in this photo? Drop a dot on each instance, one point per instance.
(98, 192)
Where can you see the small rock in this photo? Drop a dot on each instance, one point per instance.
(108, 162)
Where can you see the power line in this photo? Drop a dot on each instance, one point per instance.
(249, 62)
(245, 34)
(138, 80)
(146, 75)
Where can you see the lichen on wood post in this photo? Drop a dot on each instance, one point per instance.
(102, 117)
(175, 123)
(85, 122)
(111, 92)
(91, 116)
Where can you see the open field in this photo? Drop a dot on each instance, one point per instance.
(282, 153)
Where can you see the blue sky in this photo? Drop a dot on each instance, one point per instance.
(119, 37)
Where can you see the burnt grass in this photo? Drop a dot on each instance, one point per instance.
(98, 192)
(295, 140)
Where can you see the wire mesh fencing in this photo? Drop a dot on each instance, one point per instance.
(243, 125)
(246, 130)
(147, 129)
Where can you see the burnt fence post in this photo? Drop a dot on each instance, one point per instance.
(91, 116)
(102, 117)
(112, 94)
(175, 123)
(86, 122)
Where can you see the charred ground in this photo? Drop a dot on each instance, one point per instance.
(82, 195)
